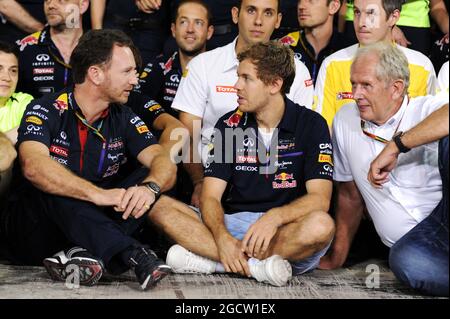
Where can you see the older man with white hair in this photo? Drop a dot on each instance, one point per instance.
(399, 207)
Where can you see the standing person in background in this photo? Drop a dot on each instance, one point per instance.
(45, 55)
(317, 37)
(147, 23)
(19, 18)
(413, 27)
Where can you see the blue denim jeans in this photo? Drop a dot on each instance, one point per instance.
(420, 258)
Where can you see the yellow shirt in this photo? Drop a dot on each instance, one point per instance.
(11, 114)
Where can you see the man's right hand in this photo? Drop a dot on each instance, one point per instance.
(109, 197)
(231, 255)
(148, 6)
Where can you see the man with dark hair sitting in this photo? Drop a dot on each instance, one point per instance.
(72, 147)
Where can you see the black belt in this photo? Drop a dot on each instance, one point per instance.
(137, 23)
(224, 29)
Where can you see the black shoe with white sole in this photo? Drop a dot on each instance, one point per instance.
(149, 269)
(64, 263)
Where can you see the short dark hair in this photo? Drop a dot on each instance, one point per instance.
(389, 6)
(273, 61)
(239, 5)
(96, 47)
(199, 2)
(9, 48)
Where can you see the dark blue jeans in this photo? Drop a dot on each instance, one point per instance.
(420, 258)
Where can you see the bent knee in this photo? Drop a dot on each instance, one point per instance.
(322, 227)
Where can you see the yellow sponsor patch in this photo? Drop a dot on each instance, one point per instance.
(185, 73)
(143, 75)
(155, 107)
(34, 120)
(142, 129)
(325, 159)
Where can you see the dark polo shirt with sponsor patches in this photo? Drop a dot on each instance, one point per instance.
(96, 151)
(160, 80)
(42, 69)
(260, 178)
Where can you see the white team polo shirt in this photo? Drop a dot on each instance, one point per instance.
(443, 79)
(207, 90)
(415, 186)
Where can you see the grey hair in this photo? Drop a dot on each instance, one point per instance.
(392, 63)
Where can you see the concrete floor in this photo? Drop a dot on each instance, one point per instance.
(368, 280)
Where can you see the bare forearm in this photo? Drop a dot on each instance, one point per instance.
(439, 13)
(163, 172)
(301, 207)
(53, 178)
(433, 128)
(12, 135)
(97, 13)
(349, 212)
(18, 16)
(213, 217)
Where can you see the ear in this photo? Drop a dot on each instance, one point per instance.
(210, 32)
(235, 14)
(84, 5)
(393, 18)
(275, 87)
(173, 28)
(397, 89)
(334, 7)
(96, 74)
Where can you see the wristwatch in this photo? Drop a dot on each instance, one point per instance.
(398, 141)
(152, 186)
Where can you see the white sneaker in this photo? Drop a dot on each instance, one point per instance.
(273, 270)
(183, 261)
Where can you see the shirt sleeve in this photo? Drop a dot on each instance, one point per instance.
(151, 79)
(37, 123)
(342, 172)
(216, 164)
(319, 157)
(145, 107)
(302, 89)
(138, 136)
(192, 94)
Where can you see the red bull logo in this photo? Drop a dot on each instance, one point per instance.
(31, 39)
(286, 181)
(234, 119)
(168, 65)
(283, 177)
(287, 40)
(61, 103)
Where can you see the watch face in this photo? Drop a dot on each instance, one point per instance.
(154, 187)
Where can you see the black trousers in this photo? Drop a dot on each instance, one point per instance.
(36, 225)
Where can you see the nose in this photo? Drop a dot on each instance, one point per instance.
(357, 92)
(238, 84)
(5, 75)
(190, 27)
(134, 79)
(258, 18)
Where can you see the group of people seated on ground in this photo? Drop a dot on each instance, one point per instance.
(232, 154)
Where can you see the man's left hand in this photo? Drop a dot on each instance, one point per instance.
(258, 237)
(136, 202)
(148, 6)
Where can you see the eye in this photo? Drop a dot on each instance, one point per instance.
(251, 10)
